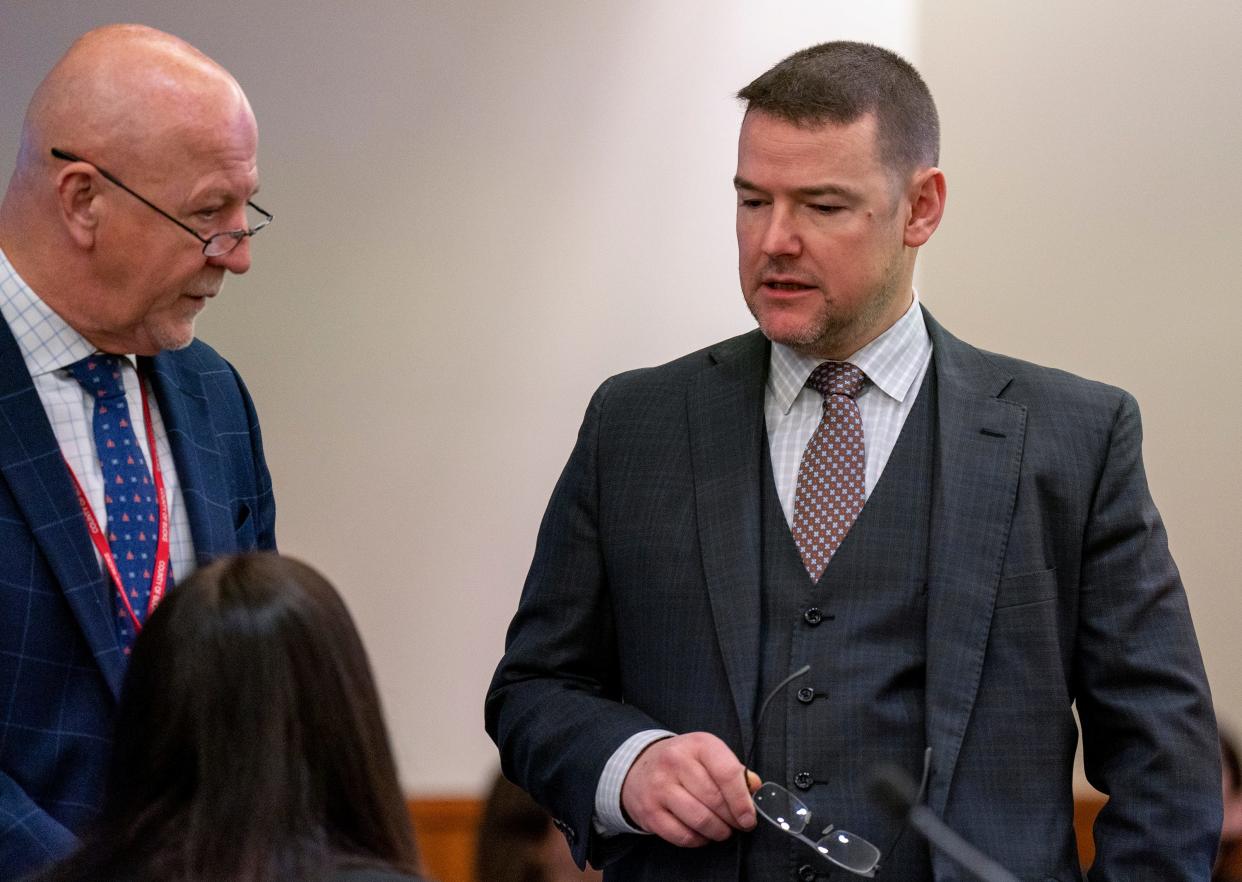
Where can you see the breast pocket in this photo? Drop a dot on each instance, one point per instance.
(1027, 588)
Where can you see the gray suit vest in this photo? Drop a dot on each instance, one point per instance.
(862, 629)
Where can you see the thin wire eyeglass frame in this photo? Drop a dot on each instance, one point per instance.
(840, 847)
(216, 245)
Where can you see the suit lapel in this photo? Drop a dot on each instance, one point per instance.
(725, 417)
(979, 441)
(35, 473)
(183, 404)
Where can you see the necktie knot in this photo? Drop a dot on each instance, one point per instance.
(837, 378)
(100, 375)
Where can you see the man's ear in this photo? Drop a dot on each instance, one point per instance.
(77, 190)
(927, 194)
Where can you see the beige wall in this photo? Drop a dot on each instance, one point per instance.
(483, 209)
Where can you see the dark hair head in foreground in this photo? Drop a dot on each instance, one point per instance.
(1229, 860)
(250, 743)
(511, 832)
(842, 81)
(517, 841)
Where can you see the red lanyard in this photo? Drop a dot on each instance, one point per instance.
(159, 575)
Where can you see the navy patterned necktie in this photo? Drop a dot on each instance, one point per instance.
(132, 523)
(832, 475)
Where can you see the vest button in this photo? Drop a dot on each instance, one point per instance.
(806, 873)
(806, 695)
(803, 780)
(813, 616)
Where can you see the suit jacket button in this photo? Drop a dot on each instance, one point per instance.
(803, 780)
(806, 873)
(813, 616)
(806, 695)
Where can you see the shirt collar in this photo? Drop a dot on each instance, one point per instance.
(46, 340)
(892, 361)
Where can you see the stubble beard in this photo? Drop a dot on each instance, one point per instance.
(180, 334)
(829, 331)
(168, 340)
(169, 332)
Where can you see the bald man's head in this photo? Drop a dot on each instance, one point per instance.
(177, 129)
(126, 89)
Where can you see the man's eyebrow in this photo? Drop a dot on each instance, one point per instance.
(218, 196)
(741, 183)
(828, 190)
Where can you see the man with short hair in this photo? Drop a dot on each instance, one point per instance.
(959, 546)
(129, 453)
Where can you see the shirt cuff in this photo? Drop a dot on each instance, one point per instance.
(609, 820)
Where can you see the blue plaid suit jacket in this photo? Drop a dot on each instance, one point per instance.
(1049, 583)
(60, 665)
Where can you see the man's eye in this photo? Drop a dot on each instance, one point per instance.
(208, 213)
(750, 203)
(826, 209)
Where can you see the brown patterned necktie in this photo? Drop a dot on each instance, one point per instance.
(832, 474)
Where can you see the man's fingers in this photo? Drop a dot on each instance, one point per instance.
(696, 815)
(666, 825)
(699, 784)
(741, 806)
(753, 781)
(688, 790)
(723, 767)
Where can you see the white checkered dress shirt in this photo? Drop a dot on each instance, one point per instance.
(48, 346)
(895, 363)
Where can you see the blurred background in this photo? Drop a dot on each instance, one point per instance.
(483, 209)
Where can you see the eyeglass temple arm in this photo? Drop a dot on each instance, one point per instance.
(108, 176)
(236, 235)
(763, 709)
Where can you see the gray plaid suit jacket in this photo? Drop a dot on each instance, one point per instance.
(1050, 583)
(60, 664)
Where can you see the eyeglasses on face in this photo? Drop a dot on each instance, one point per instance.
(790, 815)
(216, 245)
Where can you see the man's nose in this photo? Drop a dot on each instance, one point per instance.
(236, 261)
(781, 236)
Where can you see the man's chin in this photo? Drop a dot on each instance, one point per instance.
(781, 329)
(176, 337)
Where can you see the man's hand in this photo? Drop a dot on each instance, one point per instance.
(689, 789)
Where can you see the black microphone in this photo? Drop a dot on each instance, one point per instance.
(894, 789)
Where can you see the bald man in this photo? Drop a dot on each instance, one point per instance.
(129, 452)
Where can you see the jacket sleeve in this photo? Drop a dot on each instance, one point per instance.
(553, 707)
(1149, 733)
